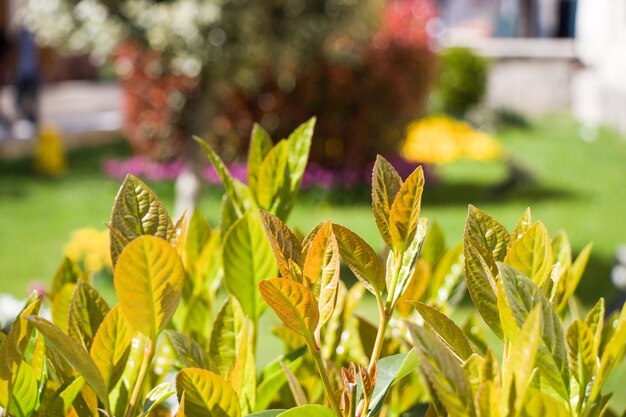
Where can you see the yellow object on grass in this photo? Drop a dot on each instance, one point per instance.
(441, 139)
(49, 153)
(89, 247)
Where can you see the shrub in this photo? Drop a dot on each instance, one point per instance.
(168, 276)
(461, 84)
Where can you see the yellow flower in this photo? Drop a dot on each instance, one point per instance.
(49, 153)
(90, 247)
(440, 139)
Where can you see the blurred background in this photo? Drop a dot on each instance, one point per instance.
(507, 103)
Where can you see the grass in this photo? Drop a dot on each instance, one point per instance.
(578, 187)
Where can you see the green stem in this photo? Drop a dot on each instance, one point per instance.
(321, 368)
(380, 336)
(352, 411)
(145, 365)
(394, 283)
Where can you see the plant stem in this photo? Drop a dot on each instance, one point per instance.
(321, 368)
(145, 365)
(380, 336)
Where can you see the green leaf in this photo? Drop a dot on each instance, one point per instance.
(190, 353)
(521, 297)
(443, 372)
(75, 355)
(405, 211)
(206, 394)
(321, 271)
(523, 224)
(581, 351)
(409, 259)
(233, 189)
(434, 246)
(611, 354)
(199, 234)
(87, 311)
(522, 354)
(247, 260)
(156, 396)
(311, 410)
(293, 303)
(361, 259)
(24, 392)
(148, 280)
(538, 403)
(16, 341)
(271, 177)
(531, 254)
(391, 370)
(228, 337)
(67, 273)
(487, 233)
(137, 211)
(481, 284)
(447, 278)
(260, 145)
(385, 186)
(60, 306)
(267, 413)
(273, 378)
(446, 329)
(294, 386)
(575, 275)
(285, 244)
(111, 346)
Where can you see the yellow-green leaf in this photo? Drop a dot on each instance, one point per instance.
(538, 403)
(531, 254)
(293, 303)
(87, 310)
(284, 242)
(405, 211)
(321, 271)
(523, 224)
(74, 354)
(575, 274)
(14, 346)
(156, 396)
(247, 259)
(385, 186)
(137, 211)
(148, 281)
(67, 273)
(190, 353)
(446, 329)
(270, 177)
(260, 145)
(309, 410)
(581, 352)
(111, 346)
(206, 394)
(487, 232)
(198, 235)
(60, 306)
(24, 392)
(361, 259)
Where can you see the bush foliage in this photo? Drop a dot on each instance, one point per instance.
(93, 359)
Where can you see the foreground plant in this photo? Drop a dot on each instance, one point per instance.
(92, 359)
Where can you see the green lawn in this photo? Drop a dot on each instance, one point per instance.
(579, 188)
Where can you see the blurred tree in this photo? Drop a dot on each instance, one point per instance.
(188, 54)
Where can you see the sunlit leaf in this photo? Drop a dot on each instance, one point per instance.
(273, 377)
(156, 396)
(321, 271)
(385, 186)
(361, 259)
(538, 403)
(531, 254)
(443, 372)
(260, 144)
(111, 346)
(270, 177)
(16, 341)
(409, 259)
(575, 275)
(247, 260)
(581, 351)
(148, 281)
(190, 353)
(294, 385)
(74, 354)
(405, 211)
(60, 306)
(391, 369)
(24, 392)
(487, 232)
(284, 242)
(446, 329)
(87, 310)
(434, 246)
(311, 410)
(523, 224)
(293, 303)
(137, 211)
(206, 394)
(67, 273)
